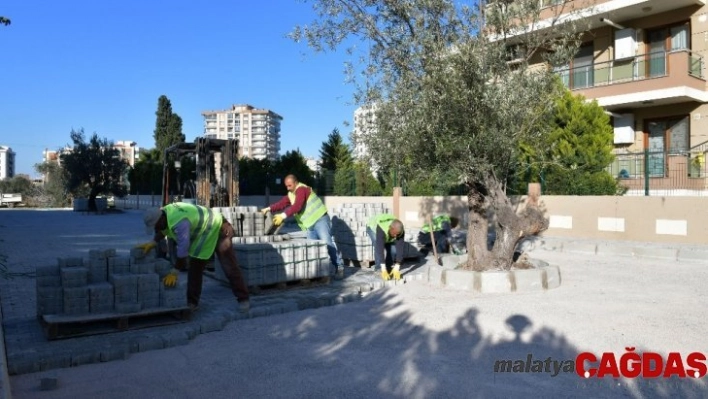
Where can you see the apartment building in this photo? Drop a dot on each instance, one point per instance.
(258, 130)
(643, 61)
(364, 124)
(129, 151)
(7, 162)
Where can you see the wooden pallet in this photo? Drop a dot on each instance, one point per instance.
(306, 282)
(69, 326)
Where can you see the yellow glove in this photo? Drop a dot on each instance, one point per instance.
(265, 211)
(146, 247)
(170, 280)
(279, 218)
(384, 273)
(396, 272)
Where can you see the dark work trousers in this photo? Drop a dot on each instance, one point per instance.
(227, 258)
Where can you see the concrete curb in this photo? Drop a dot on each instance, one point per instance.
(678, 253)
(543, 277)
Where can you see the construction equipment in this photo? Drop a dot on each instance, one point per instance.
(215, 182)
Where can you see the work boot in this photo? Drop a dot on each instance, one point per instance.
(339, 274)
(244, 306)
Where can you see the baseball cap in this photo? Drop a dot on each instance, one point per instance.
(150, 217)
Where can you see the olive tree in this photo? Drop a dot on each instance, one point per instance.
(457, 88)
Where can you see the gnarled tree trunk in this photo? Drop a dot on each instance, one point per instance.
(510, 226)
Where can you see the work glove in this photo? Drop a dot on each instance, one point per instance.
(396, 272)
(146, 247)
(384, 273)
(170, 280)
(265, 211)
(279, 218)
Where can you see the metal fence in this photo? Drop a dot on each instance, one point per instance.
(662, 174)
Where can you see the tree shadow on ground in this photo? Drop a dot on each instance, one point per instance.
(460, 361)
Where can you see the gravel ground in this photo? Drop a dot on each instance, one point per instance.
(419, 341)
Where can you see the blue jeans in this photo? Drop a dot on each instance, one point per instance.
(322, 230)
(389, 250)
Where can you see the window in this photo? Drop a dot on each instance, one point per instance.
(665, 136)
(583, 69)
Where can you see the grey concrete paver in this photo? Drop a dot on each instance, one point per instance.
(71, 234)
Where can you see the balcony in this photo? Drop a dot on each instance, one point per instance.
(593, 10)
(656, 78)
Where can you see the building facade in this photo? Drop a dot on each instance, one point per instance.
(643, 61)
(364, 124)
(7, 162)
(258, 130)
(129, 151)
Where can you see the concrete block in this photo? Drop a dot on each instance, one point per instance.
(691, 255)
(74, 276)
(175, 338)
(119, 352)
(87, 357)
(528, 280)
(76, 306)
(73, 293)
(192, 330)
(48, 281)
(580, 247)
(655, 253)
(458, 279)
(118, 265)
(612, 249)
(210, 324)
(493, 282)
(552, 276)
(435, 275)
(23, 363)
(162, 267)
(150, 342)
(55, 360)
(142, 268)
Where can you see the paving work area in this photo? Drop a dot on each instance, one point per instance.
(408, 340)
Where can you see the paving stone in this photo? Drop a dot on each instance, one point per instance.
(111, 353)
(210, 324)
(656, 253)
(553, 276)
(528, 280)
(493, 282)
(86, 357)
(175, 338)
(150, 342)
(459, 279)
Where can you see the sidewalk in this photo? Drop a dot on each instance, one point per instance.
(410, 340)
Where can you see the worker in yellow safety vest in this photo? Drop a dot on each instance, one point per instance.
(311, 216)
(386, 234)
(199, 233)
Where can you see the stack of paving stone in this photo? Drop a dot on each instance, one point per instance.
(349, 231)
(271, 259)
(276, 259)
(247, 221)
(106, 283)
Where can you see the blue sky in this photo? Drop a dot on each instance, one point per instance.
(101, 66)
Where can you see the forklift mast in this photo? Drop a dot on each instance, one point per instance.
(216, 180)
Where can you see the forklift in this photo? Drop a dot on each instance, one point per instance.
(215, 182)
